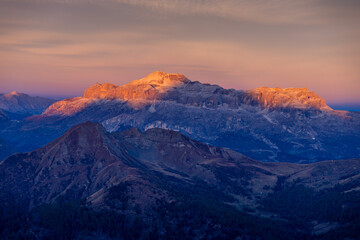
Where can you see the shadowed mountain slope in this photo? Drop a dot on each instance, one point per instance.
(3, 116)
(138, 174)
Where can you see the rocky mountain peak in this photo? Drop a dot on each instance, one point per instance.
(159, 80)
(84, 134)
(173, 86)
(88, 136)
(80, 145)
(15, 93)
(162, 78)
(150, 87)
(100, 90)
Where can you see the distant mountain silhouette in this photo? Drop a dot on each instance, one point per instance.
(20, 105)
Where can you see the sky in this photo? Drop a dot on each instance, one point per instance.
(61, 47)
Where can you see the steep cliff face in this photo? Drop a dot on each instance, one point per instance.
(297, 98)
(152, 87)
(176, 87)
(160, 86)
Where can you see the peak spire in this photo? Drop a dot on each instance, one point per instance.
(15, 93)
(160, 77)
(156, 74)
(151, 87)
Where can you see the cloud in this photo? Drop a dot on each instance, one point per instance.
(260, 11)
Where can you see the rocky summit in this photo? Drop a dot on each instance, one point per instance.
(160, 86)
(300, 98)
(152, 87)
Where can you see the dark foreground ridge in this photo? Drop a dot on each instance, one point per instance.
(160, 184)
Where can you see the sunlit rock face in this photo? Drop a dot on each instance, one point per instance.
(176, 87)
(160, 87)
(300, 98)
(269, 124)
(68, 106)
(152, 87)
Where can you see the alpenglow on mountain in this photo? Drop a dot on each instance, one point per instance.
(268, 124)
(159, 86)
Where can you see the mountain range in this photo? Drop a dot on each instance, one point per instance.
(164, 157)
(161, 184)
(267, 124)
